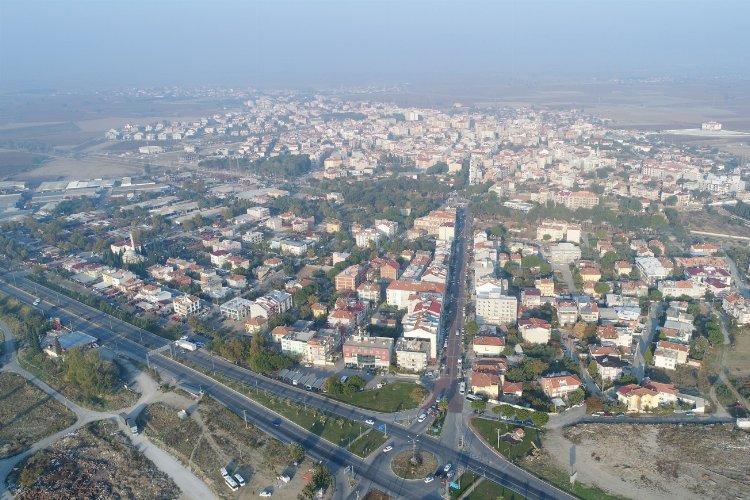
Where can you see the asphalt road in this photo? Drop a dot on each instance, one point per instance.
(135, 343)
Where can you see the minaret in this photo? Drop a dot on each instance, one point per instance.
(132, 241)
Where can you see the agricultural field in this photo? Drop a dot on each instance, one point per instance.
(96, 461)
(27, 415)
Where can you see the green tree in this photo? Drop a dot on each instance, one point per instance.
(602, 288)
(296, 452)
(479, 405)
(576, 397)
(471, 328)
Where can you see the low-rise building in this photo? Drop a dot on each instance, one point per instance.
(488, 346)
(186, 305)
(368, 352)
(535, 330)
(560, 386)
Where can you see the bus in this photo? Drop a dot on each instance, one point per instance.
(462, 388)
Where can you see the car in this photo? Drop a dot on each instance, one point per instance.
(387, 449)
(37, 302)
(450, 474)
(277, 422)
(240, 480)
(370, 421)
(447, 467)
(621, 414)
(429, 479)
(609, 414)
(690, 414)
(265, 493)
(422, 417)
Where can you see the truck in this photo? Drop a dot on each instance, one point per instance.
(132, 425)
(186, 344)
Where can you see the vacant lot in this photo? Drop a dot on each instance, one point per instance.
(213, 437)
(97, 461)
(656, 461)
(714, 222)
(397, 396)
(27, 415)
(738, 357)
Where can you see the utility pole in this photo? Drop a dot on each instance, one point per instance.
(498, 438)
(244, 414)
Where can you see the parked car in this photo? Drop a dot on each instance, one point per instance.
(265, 493)
(240, 480)
(447, 467)
(429, 479)
(370, 421)
(387, 449)
(450, 474)
(422, 417)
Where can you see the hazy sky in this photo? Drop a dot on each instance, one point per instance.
(103, 43)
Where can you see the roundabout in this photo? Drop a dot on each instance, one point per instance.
(413, 464)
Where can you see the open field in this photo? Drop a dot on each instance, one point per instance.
(97, 461)
(27, 415)
(738, 357)
(15, 162)
(487, 490)
(213, 437)
(651, 461)
(80, 169)
(715, 222)
(397, 396)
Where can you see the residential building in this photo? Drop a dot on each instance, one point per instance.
(670, 354)
(236, 308)
(350, 278)
(186, 305)
(412, 354)
(487, 384)
(488, 346)
(564, 253)
(492, 306)
(535, 330)
(560, 386)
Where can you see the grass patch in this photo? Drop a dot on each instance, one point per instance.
(487, 490)
(464, 481)
(488, 429)
(397, 396)
(27, 414)
(371, 441)
(50, 372)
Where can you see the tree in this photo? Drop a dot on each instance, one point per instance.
(655, 295)
(471, 328)
(539, 418)
(479, 405)
(648, 356)
(296, 452)
(593, 370)
(576, 397)
(601, 288)
(443, 405)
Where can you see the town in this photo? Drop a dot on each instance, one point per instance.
(460, 281)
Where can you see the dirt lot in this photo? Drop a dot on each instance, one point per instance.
(657, 461)
(97, 461)
(213, 437)
(27, 415)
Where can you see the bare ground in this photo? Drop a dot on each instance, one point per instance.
(656, 461)
(96, 461)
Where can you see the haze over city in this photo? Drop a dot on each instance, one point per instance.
(374, 250)
(77, 45)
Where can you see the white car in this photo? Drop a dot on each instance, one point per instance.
(429, 479)
(422, 417)
(447, 467)
(240, 480)
(37, 302)
(265, 493)
(387, 449)
(370, 421)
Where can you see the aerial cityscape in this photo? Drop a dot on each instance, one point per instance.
(380, 281)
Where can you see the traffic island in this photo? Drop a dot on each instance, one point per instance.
(414, 464)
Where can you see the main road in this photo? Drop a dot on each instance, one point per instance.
(136, 343)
